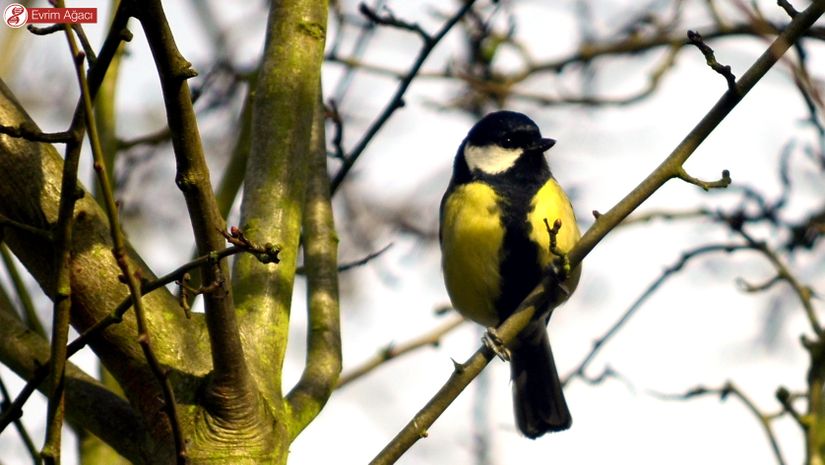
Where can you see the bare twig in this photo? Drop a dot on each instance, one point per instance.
(69, 188)
(392, 350)
(4, 221)
(802, 291)
(667, 215)
(786, 399)
(687, 257)
(789, 9)
(338, 135)
(29, 312)
(231, 373)
(301, 270)
(389, 19)
(705, 185)
(696, 39)
(397, 100)
(158, 137)
(84, 42)
(21, 428)
(45, 30)
(728, 389)
(120, 253)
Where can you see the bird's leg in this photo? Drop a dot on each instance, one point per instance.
(493, 342)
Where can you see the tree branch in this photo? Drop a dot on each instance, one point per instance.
(89, 404)
(669, 168)
(120, 253)
(275, 183)
(230, 371)
(62, 293)
(323, 359)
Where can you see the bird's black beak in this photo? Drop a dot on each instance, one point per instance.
(541, 145)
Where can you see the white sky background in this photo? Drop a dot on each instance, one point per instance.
(697, 329)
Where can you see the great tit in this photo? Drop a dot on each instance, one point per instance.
(496, 246)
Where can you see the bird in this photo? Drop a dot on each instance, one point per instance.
(494, 233)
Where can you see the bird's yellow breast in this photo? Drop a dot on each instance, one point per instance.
(471, 239)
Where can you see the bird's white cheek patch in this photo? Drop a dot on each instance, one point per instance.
(490, 159)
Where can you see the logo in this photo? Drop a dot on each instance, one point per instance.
(15, 15)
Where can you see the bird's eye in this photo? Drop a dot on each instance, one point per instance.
(508, 142)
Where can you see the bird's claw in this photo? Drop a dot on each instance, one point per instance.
(493, 342)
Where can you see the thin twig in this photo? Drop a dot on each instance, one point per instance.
(84, 42)
(120, 253)
(803, 292)
(353, 264)
(722, 183)
(389, 19)
(786, 399)
(45, 30)
(62, 296)
(29, 313)
(21, 428)
(158, 137)
(41, 233)
(667, 215)
(687, 256)
(397, 100)
(728, 389)
(789, 9)
(392, 351)
(696, 39)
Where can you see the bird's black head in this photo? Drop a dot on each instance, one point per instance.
(509, 130)
(501, 141)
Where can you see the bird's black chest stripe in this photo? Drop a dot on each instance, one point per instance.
(519, 267)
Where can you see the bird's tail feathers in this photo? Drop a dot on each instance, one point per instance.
(537, 394)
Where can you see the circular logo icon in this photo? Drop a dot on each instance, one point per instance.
(15, 15)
